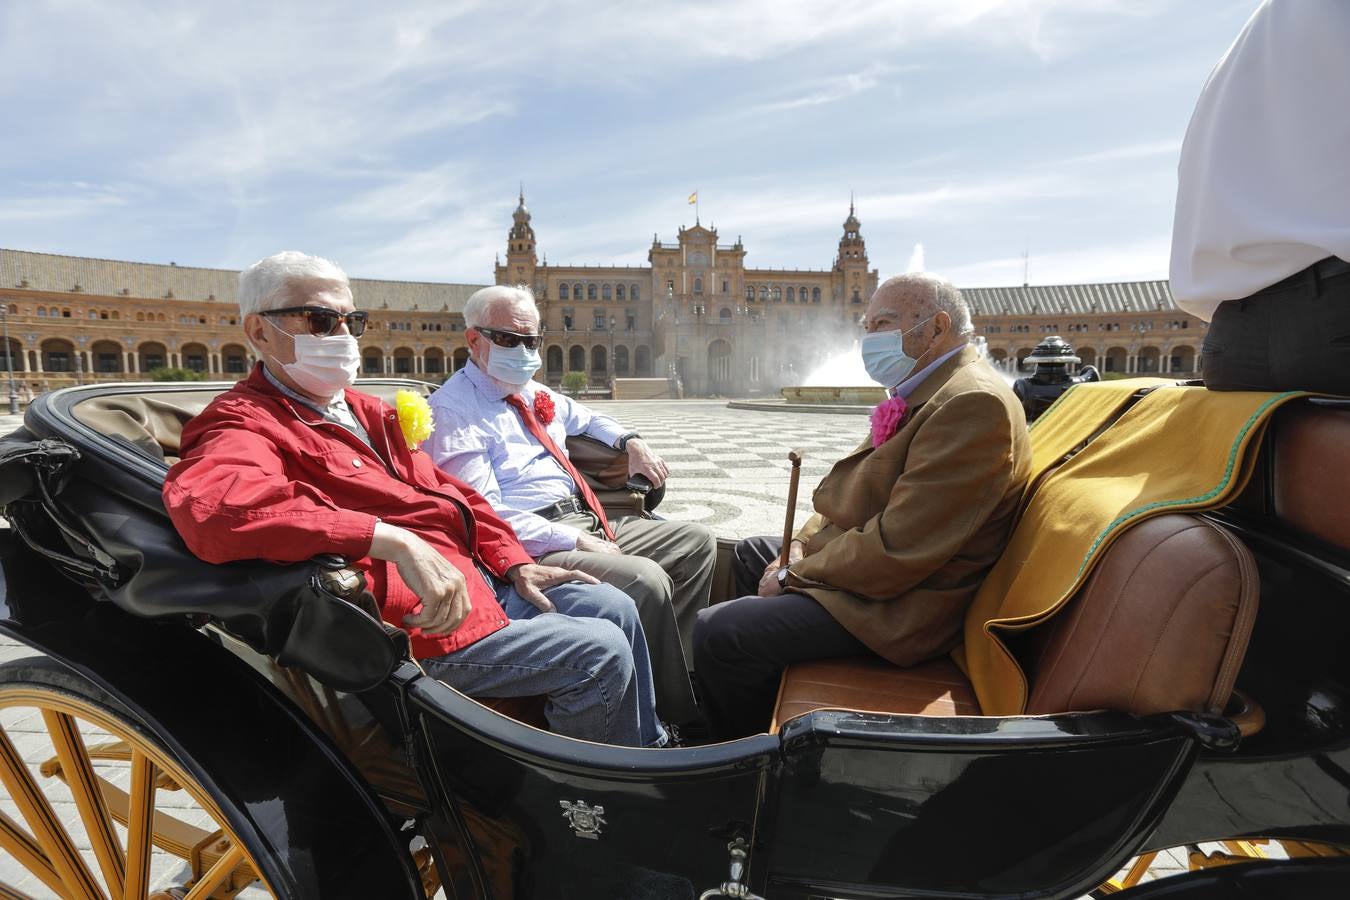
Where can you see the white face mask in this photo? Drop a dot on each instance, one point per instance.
(512, 365)
(323, 366)
(884, 356)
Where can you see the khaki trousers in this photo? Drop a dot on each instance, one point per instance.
(667, 568)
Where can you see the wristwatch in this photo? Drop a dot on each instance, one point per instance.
(782, 576)
(622, 442)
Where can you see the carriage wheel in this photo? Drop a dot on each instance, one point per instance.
(103, 810)
(1194, 857)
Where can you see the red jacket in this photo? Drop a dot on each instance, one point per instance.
(261, 477)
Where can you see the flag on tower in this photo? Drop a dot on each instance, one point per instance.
(693, 198)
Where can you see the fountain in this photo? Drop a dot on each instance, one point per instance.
(840, 380)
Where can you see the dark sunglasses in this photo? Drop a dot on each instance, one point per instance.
(323, 321)
(511, 339)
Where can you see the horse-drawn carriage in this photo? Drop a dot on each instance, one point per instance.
(259, 723)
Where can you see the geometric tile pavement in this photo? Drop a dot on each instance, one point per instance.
(729, 467)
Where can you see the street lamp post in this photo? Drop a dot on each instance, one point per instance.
(9, 363)
(612, 371)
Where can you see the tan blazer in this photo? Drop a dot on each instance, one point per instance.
(903, 534)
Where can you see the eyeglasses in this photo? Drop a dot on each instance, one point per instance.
(511, 339)
(323, 321)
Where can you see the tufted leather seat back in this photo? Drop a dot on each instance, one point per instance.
(1162, 624)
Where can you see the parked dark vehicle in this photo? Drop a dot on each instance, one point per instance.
(329, 765)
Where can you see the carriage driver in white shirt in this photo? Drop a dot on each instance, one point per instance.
(1261, 240)
(487, 418)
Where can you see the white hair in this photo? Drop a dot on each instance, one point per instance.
(942, 294)
(266, 284)
(480, 301)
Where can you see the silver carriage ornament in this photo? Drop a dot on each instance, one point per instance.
(585, 820)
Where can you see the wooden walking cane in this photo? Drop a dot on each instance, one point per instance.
(794, 457)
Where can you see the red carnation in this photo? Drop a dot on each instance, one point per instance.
(543, 407)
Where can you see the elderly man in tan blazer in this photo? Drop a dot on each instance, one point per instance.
(905, 527)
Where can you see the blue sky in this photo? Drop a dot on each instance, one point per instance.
(391, 137)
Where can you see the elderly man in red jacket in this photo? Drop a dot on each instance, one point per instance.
(290, 464)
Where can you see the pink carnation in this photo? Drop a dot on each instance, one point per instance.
(886, 418)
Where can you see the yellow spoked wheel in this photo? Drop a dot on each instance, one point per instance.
(1194, 857)
(94, 807)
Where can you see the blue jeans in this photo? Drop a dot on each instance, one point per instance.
(589, 659)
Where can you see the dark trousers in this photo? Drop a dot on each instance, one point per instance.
(742, 646)
(1294, 335)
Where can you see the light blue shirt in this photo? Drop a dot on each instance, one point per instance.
(482, 441)
(906, 387)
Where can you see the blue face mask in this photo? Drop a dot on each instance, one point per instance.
(512, 365)
(884, 356)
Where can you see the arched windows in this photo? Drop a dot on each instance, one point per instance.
(815, 295)
(618, 292)
(564, 292)
(763, 294)
(633, 293)
(777, 295)
(576, 292)
(606, 293)
(749, 294)
(590, 292)
(698, 285)
(792, 295)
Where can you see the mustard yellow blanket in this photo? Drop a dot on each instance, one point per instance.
(1177, 449)
(1077, 416)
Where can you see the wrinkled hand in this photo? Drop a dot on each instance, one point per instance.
(642, 461)
(768, 582)
(531, 580)
(439, 585)
(589, 543)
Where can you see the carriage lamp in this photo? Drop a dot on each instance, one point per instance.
(1052, 376)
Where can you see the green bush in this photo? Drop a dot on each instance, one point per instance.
(176, 374)
(574, 382)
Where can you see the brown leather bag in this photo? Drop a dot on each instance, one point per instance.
(606, 469)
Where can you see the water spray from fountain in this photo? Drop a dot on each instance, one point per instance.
(916, 259)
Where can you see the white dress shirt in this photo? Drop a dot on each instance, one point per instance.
(481, 440)
(1263, 186)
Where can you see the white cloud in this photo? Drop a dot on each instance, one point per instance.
(74, 201)
(1169, 147)
(832, 89)
(1140, 260)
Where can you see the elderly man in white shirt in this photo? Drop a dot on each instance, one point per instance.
(1262, 232)
(505, 436)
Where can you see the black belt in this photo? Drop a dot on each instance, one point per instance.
(570, 506)
(1322, 269)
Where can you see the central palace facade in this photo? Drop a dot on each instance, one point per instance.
(695, 316)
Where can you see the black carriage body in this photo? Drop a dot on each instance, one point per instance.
(838, 804)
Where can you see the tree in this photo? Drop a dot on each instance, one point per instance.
(574, 383)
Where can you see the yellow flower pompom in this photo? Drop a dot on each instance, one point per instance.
(414, 417)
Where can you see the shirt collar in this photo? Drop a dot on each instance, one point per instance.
(339, 404)
(488, 386)
(906, 387)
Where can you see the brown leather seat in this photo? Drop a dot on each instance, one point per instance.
(1310, 491)
(1162, 624)
(870, 683)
